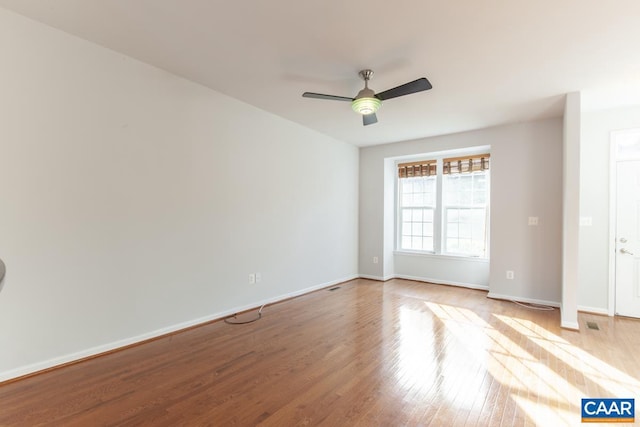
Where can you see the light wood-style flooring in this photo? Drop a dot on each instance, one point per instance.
(399, 353)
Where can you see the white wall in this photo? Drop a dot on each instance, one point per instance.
(526, 175)
(133, 202)
(596, 128)
(371, 211)
(467, 272)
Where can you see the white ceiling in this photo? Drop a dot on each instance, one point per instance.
(490, 62)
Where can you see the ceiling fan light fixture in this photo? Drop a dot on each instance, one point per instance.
(367, 105)
(367, 102)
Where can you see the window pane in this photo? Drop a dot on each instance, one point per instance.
(416, 229)
(481, 183)
(464, 230)
(466, 198)
(427, 229)
(429, 199)
(464, 246)
(452, 230)
(407, 186)
(466, 182)
(451, 197)
(427, 243)
(477, 233)
(478, 216)
(428, 215)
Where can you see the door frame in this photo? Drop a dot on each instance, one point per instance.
(613, 189)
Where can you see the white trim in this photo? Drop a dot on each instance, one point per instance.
(447, 257)
(593, 310)
(613, 185)
(426, 280)
(378, 278)
(570, 325)
(96, 351)
(521, 299)
(613, 189)
(443, 282)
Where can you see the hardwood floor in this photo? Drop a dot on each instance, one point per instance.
(367, 354)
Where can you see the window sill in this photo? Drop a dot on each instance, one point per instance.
(442, 256)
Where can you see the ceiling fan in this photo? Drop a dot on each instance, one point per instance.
(367, 102)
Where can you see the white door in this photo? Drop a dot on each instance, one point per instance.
(628, 238)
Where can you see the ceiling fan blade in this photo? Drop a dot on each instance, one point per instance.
(405, 89)
(369, 119)
(323, 96)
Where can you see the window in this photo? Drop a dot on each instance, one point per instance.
(465, 213)
(444, 206)
(418, 203)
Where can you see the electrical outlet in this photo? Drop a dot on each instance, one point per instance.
(510, 274)
(375, 259)
(533, 220)
(252, 279)
(258, 277)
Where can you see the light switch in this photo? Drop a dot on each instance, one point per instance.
(586, 221)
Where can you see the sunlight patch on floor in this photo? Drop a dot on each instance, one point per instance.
(543, 415)
(520, 366)
(613, 382)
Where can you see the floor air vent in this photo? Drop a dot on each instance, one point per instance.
(593, 325)
(335, 289)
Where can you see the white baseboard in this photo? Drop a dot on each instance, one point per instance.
(570, 325)
(443, 282)
(378, 278)
(522, 299)
(94, 351)
(426, 280)
(593, 310)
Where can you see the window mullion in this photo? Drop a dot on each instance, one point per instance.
(438, 237)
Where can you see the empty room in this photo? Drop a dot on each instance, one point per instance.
(319, 213)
